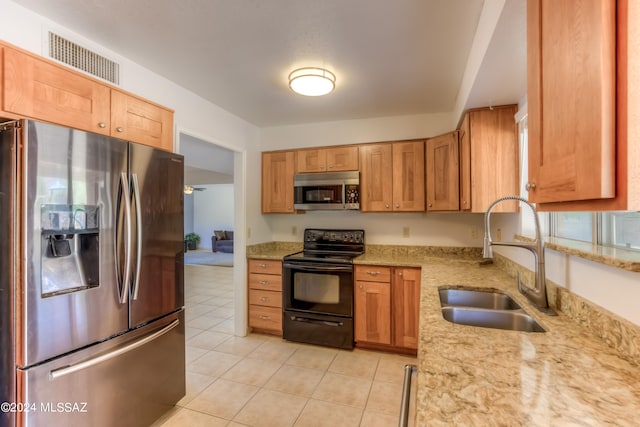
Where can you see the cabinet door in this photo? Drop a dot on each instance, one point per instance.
(571, 74)
(373, 312)
(45, 91)
(376, 175)
(311, 160)
(137, 120)
(494, 157)
(406, 306)
(442, 173)
(465, 165)
(277, 182)
(342, 159)
(408, 176)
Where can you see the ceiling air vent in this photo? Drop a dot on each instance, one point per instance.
(83, 59)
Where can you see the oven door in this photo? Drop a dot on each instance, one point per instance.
(318, 288)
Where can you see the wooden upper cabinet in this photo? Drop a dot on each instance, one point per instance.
(571, 52)
(489, 159)
(442, 172)
(277, 182)
(135, 119)
(333, 159)
(591, 83)
(376, 175)
(392, 177)
(42, 90)
(408, 176)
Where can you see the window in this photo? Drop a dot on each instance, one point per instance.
(573, 225)
(620, 229)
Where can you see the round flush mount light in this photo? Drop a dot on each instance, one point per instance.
(312, 81)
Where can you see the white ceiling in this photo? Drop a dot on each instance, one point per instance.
(391, 57)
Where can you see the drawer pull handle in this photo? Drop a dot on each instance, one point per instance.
(102, 125)
(264, 299)
(119, 129)
(263, 317)
(265, 282)
(373, 273)
(263, 265)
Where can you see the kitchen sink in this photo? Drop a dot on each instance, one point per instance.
(485, 308)
(512, 320)
(477, 298)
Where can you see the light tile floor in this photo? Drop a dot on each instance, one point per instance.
(264, 381)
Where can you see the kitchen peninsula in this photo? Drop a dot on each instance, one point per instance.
(478, 376)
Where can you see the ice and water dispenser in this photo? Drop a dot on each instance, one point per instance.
(70, 248)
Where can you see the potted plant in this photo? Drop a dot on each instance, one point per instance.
(192, 240)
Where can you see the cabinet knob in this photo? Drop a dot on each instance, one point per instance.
(530, 186)
(399, 273)
(119, 129)
(360, 286)
(464, 202)
(397, 205)
(386, 206)
(429, 205)
(102, 125)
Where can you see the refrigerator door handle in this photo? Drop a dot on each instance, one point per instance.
(126, 277)
(61, 372)
(136, 195)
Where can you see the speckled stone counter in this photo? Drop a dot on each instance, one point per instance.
(478, 376)
(273, 250)
(471, 376)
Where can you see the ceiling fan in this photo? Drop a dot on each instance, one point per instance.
(188, 189)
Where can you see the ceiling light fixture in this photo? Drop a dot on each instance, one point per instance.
(312, 81)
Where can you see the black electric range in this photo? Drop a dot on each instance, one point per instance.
(318, 286)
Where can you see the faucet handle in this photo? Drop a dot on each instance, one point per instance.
(487, 249)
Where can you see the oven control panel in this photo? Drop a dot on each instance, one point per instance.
(333, 236)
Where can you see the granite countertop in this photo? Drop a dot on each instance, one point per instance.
(478, 376)
(475, 376)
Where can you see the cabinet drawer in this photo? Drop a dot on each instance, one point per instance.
(265, 282)
(265, 266)
(373, 273)
(267, 298)
(265, 317)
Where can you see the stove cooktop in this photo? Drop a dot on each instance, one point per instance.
(321, 245)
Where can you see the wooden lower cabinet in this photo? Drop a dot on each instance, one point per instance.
(387, 308)
(265, 296)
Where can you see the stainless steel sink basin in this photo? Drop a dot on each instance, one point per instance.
(513, 320)
(477, 298)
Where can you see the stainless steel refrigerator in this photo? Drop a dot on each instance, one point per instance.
(91, 278)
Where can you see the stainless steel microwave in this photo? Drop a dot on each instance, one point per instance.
(327, 191)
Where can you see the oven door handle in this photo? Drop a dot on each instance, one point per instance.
(318, 268)
(316, 321)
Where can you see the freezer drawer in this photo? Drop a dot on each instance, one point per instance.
(129, 380)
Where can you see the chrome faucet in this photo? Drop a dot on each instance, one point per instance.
(537, 295)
